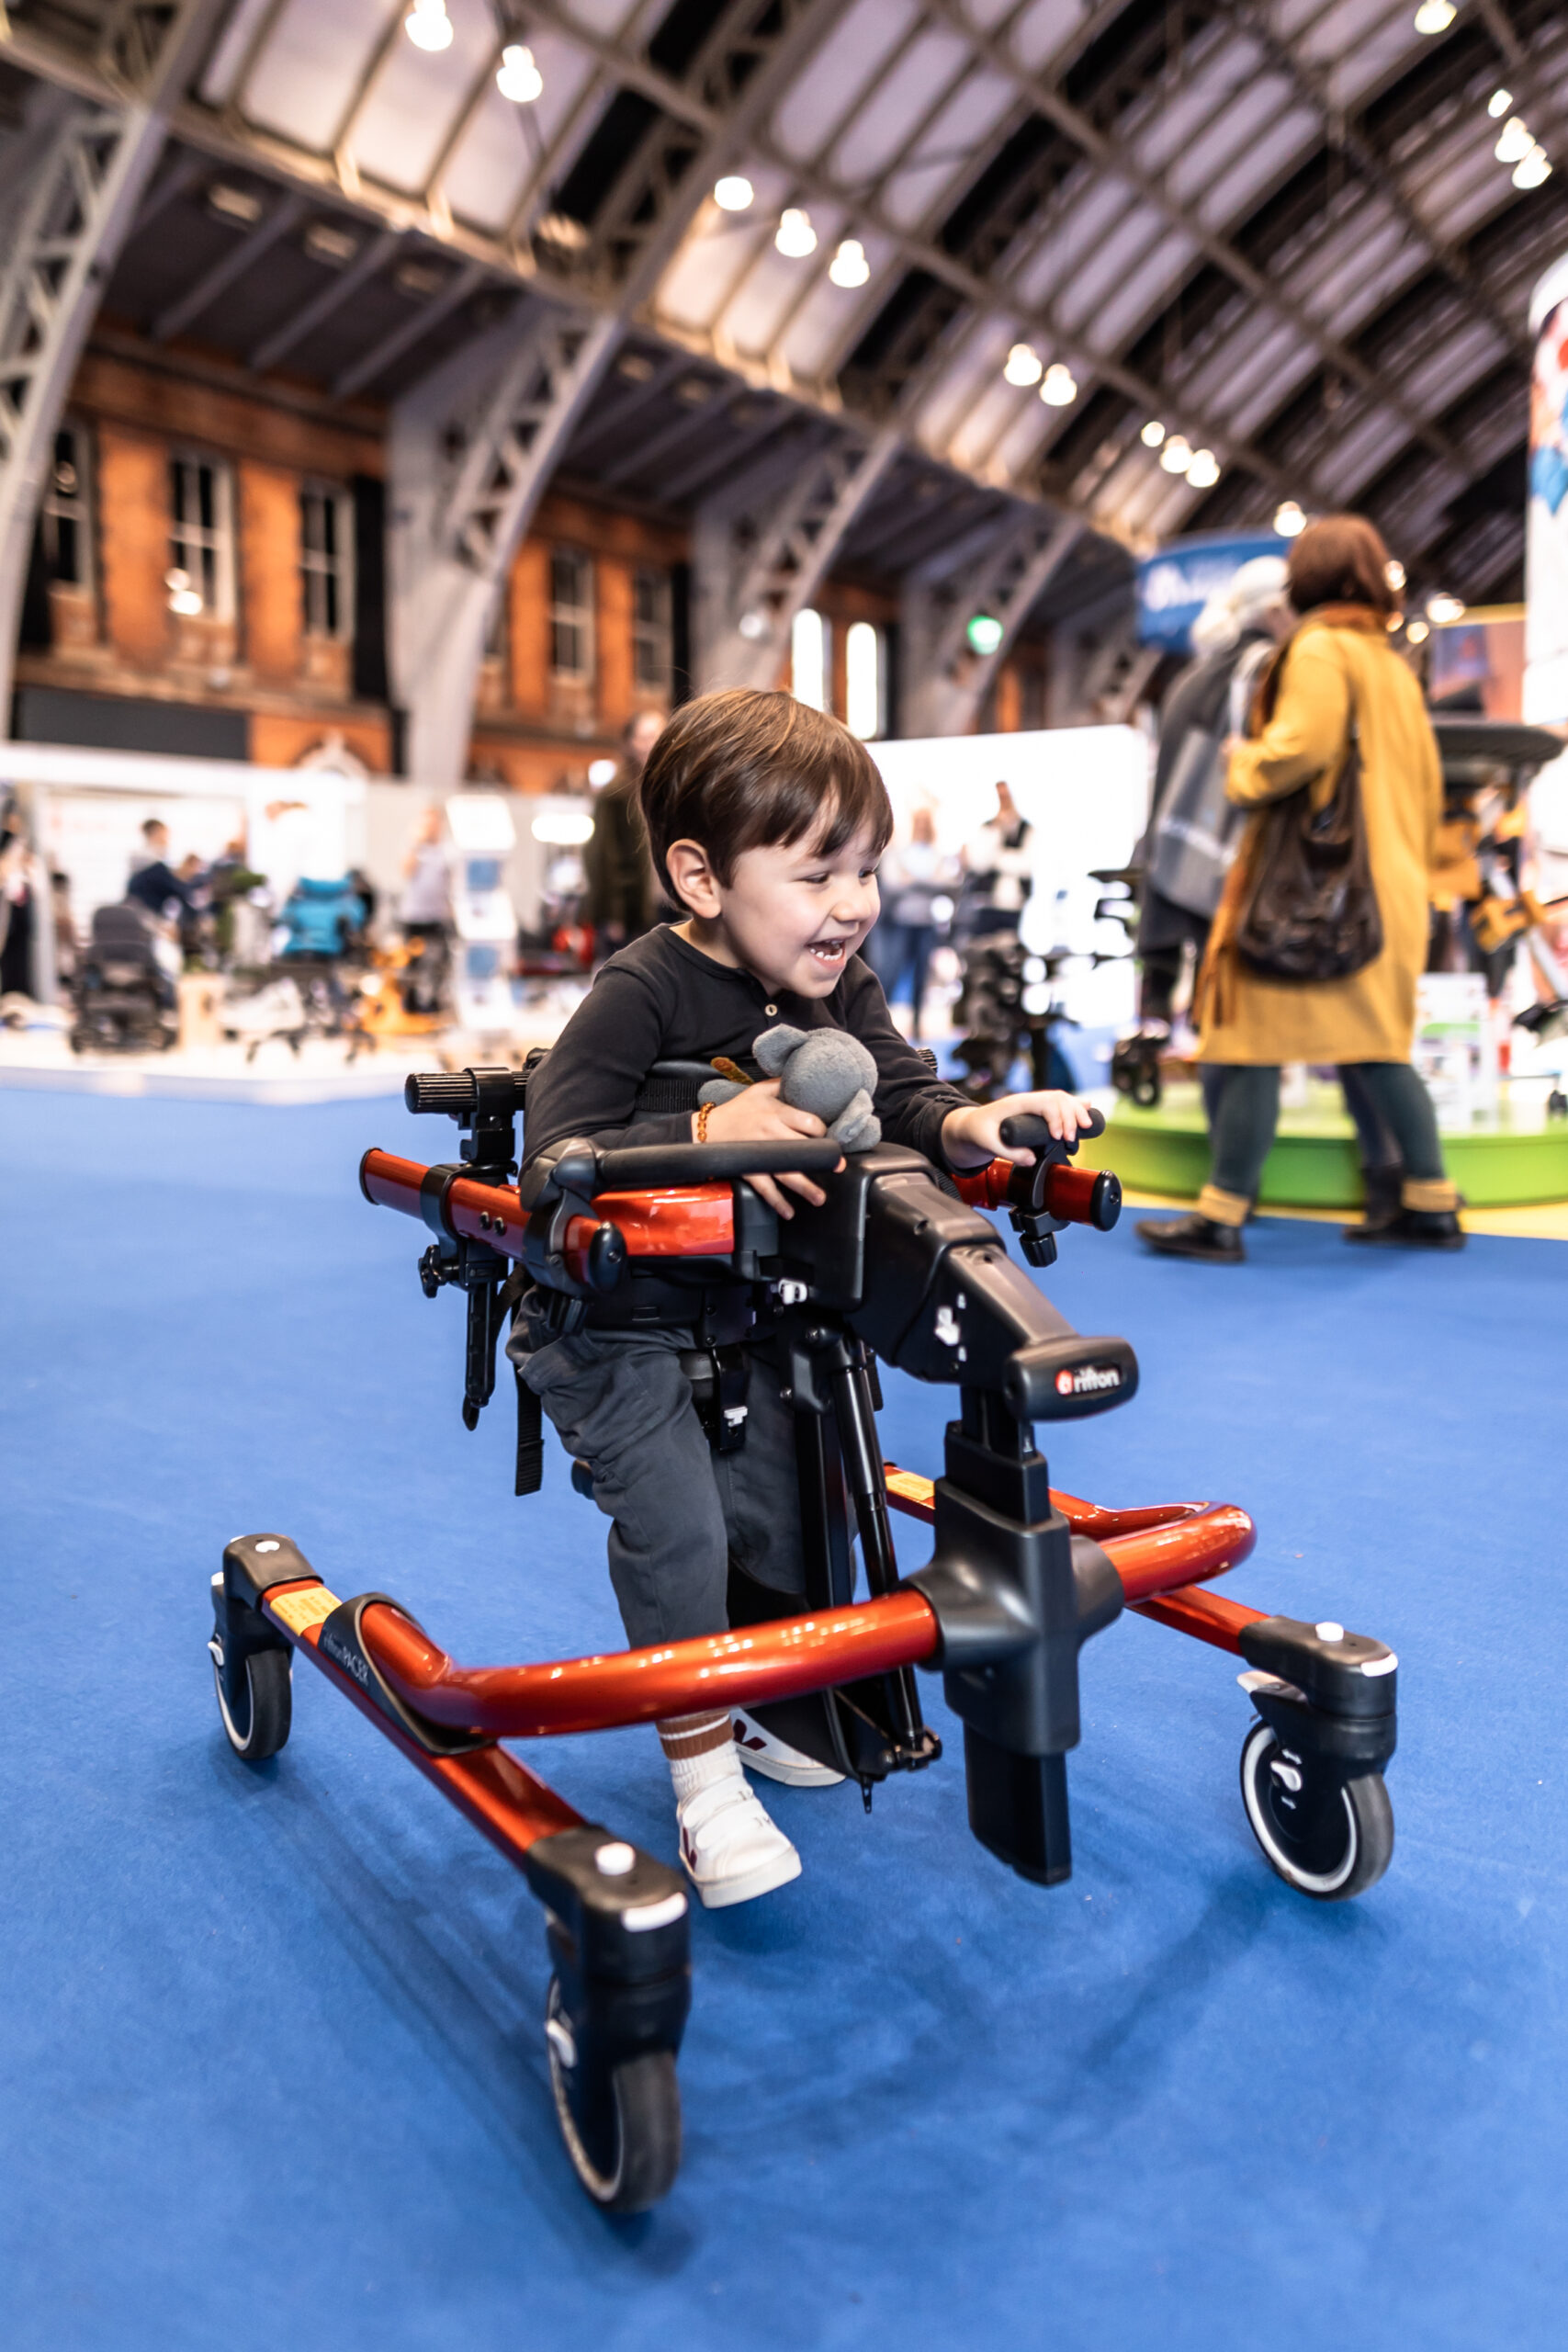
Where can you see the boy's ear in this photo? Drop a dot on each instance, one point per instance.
(694, 879)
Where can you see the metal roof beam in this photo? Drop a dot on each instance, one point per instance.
(1113, 157)
(509, 408)
(949, 682)
(1344, 136)
(375, 250)
(231, 267)
(761, 586)
(59, 239)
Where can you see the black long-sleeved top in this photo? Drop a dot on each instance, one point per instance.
(661, 1000)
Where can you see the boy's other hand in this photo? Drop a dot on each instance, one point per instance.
(758, 1116)
(973, 1136)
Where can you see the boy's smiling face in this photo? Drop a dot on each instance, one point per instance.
(789, 914)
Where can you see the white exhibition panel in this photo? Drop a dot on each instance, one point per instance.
(90, 807)
(1085, 792)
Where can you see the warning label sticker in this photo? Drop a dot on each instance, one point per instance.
(312, 1604)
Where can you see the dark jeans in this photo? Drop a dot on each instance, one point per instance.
(1387, 1101)
(900, 948)
(677, 1510)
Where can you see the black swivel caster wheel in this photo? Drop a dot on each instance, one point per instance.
(1331, 1841)
(257, 1707)
(621, 2124)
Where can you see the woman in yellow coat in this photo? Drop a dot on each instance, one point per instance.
(1337, 670)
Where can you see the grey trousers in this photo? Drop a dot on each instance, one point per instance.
(677, 1510)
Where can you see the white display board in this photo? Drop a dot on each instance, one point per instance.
(1546, 528)
(1085, 792)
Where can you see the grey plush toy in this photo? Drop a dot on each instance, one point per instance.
(823, 1070)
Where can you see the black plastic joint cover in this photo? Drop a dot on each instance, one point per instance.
(341, 1641)
(624, 1915)
(434, 1185)
(990, 1577)
(253, 1564)
(1341, 1747)
(1344, 1674)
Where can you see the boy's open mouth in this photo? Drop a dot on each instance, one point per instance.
(828, 952)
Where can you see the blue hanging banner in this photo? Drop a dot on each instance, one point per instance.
(1173, 585)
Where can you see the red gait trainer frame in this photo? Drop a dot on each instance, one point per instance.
(1021, 1575)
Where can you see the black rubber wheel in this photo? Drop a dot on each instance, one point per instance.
(267, 1709)
(1331, 1843)
(622, 2132)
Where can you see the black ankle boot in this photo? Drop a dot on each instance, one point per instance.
(1195, 1237)
(1414, 1229)
(1383, 1207)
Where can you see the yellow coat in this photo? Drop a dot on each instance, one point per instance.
(1340, 658)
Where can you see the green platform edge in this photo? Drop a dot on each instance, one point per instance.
(1314, 1164)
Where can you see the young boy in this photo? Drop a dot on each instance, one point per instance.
(765, 821)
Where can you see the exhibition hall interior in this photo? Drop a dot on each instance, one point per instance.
(784, 1143)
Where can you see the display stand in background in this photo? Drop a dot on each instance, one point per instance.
(482, 837)
(1456, 1048)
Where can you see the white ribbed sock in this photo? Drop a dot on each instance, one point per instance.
(700, 1750)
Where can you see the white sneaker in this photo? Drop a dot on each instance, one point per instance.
(762, 1751)
(730, 1849)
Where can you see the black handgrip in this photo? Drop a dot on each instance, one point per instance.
(640, 1168)
(1027, 1131)
(439, 1089)
(459, 1090)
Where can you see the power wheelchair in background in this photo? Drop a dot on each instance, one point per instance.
(896, 1267)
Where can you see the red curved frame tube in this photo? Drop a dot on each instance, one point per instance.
(1159, 1552)
(1156, 1548)
(745, 1668)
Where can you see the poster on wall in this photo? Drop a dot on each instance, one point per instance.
(1546, 532)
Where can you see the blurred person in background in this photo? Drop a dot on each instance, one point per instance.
(1192, 829)
(1337, 684)
(911, 878)
(623, 899)
(21, 878)
(998, 871)
(153, 883)
(425, 913)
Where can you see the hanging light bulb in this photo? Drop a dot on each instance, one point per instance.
(1023, 365)
(428, 26)
(1443, 608)
(1534, 168)
(733, 193)
(1289, 520)
(1514, 142)
(1176, 454)
(1435, 16)
(795, 237)
(1153, 434)
(1393, 573)
(1061, 386)
(1499, 103)
(849, 265)
(517, 76)
(1205, 471)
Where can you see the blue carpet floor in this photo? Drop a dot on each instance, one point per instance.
(272, 2064)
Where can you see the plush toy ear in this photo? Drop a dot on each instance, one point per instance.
(774, 1047)
(721, 1090)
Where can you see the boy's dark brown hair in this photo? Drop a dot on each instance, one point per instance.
(1341, 560)
(741, 770)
